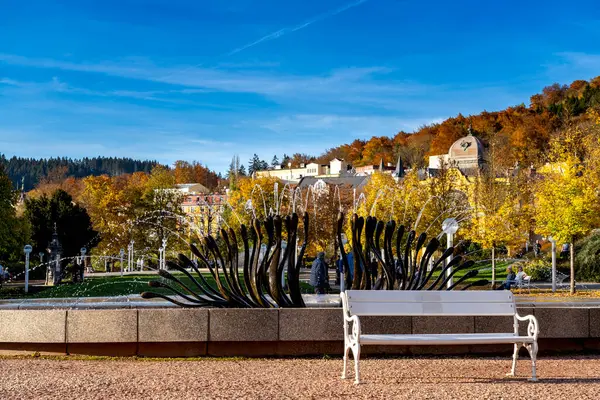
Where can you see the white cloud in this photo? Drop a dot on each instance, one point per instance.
(352, 90)
(573, 65)
(582, 60)
(339, 85)
(353, 126)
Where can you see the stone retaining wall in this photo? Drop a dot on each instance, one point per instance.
(264, 332)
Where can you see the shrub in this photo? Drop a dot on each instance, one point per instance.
(587, 260)
(539, 270)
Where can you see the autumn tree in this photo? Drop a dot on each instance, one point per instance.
(184, 172)
(447, 133)
(446, 197)
(377, 149)
(495, 218)
(324, 202)
(253, 198)
(384, 198)
(300, 158)
(139, 207)
(566, 196)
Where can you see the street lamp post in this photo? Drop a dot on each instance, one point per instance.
(130, 256)
(122, 254)
(27, 249)
(161, 255)
(83, 251)
(449, 226)
(553, 241)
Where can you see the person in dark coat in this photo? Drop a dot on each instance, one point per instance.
(537, 248)
(350, 259)
(510, 279)
(319, 278)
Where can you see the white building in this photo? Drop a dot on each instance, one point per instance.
(466, 154)
(335, 168)
(192, 188)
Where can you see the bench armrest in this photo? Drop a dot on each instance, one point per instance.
(533, 328)
(351, 332)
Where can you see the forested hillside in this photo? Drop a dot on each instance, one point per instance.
(521, 133)
(32, 171)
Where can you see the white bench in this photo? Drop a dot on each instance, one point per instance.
(358, 303)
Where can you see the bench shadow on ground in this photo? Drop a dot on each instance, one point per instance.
(505, 380)
(469, 380)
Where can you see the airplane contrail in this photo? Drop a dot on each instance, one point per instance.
(285, 31)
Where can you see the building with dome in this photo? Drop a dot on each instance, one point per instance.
(466, 154)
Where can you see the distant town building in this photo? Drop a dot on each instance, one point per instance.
(371, 169)
(466, 154)
(396, 171)
(204, 211)
(203, 208)
(336, 167)
(343, 182)
(192, 188)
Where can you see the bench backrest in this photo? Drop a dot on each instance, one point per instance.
(429, 303)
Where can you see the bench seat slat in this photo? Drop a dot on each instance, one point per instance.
(423, 296)
(432, 309)
(445, 339)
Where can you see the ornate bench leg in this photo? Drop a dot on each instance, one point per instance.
(356, 353)
(346, 351)
(514, 363)
(533, 349)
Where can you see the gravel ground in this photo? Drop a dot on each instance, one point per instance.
(414, 378)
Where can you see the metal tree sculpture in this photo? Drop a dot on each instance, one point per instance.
(261, 283)
(376, 268)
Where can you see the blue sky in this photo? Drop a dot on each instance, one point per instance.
(204, 80)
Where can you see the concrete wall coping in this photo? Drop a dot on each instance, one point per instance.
(311, 300)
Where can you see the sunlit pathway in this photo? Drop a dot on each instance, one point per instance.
(573, 377)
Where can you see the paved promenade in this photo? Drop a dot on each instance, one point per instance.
(410, 378)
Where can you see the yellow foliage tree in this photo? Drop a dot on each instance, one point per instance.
(257, 198)
(104, 204)
(567, 203)
(252, 198)
(496, 215)
(417, 204)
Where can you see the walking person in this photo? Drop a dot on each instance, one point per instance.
(564, 252)
(538, 248)
(319, 278)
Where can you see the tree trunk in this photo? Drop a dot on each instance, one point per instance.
(572, 245)
(493, 267)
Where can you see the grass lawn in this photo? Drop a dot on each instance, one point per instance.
(110, 286)
(485, 271)
(136, 284)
